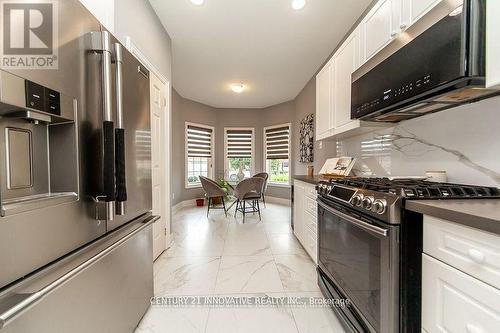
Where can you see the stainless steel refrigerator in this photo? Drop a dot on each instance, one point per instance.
(75, 181)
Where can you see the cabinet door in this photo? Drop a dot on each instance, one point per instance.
(324, 101)
(453, 301)
(344, 65)
(379, 27)
(492, 44)
(298, 211)
(413, 10)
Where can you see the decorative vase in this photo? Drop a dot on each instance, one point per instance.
(241, 174)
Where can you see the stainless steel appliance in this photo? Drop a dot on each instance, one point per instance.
(370, 248)
(441, 66)
(75, 186)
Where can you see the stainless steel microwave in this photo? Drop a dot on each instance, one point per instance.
(441, 66)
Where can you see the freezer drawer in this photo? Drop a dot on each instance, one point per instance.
(108, 289)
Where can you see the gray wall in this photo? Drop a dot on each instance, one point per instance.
(305, 104)
(137, 19)
(186, 110)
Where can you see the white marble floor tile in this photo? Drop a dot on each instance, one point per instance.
(278, 226)
(185, 275)
(248, 274)
(173, 320)
(315, 319)
(285, 244)
(236, 228)
(269, 319)
(249, 244)
(297, 272)
(196, 245)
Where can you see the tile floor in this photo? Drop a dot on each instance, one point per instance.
(222, 256)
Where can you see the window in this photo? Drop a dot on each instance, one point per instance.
(239, 152)
(277, 154)
(199, 153)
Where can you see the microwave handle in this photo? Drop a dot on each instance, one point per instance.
(121, 185)
(361, 224)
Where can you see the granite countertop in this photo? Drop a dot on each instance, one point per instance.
(481, 214)
(308, 179)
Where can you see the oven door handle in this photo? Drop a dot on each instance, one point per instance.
(361, 224)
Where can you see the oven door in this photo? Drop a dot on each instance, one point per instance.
(360, 256)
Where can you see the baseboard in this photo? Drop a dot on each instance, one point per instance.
(280, 201)
(183, 204)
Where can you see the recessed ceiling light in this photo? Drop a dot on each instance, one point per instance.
(238, 88)
(197, 2)
(298, 4)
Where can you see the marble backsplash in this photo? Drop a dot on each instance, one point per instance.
(464, 142)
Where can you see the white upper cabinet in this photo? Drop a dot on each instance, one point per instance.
(103, 10)
(346, 60)
(413, 10)
(324, 109)
(379, 27)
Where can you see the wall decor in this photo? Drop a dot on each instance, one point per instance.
(307, 139)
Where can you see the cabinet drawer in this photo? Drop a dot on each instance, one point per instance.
(311, 206)
(312, 247)
(472, 251)
(311, 192)
(311, 221)
(453, 301)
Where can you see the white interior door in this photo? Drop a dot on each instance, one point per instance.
(159, 159)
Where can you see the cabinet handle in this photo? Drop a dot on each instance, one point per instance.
(402, 26)
(394, 34)
(476, 256)
(473, 329)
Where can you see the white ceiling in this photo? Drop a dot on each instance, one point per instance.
(271, 48)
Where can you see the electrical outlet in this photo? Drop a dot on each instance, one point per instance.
(173, 195)
(321, 145)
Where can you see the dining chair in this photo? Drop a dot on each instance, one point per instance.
(265, 176)
(213, 190)
(249, 189)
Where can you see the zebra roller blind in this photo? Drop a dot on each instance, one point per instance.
(199, 141)
(277, 142)
(239, 143)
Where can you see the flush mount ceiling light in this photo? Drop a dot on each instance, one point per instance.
(298, 4)
(197, 2)
(238, 88)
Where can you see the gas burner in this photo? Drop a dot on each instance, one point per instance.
(384, 198)
(419, 189)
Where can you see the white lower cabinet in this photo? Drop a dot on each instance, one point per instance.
(453, 301)
(305, 217)
(460, 278)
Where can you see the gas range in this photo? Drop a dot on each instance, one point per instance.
(384, 198)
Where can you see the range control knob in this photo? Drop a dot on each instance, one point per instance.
(368, 202)
(379, 206)
(357, 200)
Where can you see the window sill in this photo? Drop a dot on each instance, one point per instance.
(279, 185)
(191, 187)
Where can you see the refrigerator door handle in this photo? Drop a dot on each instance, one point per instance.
(121, 184)
(101, 42)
